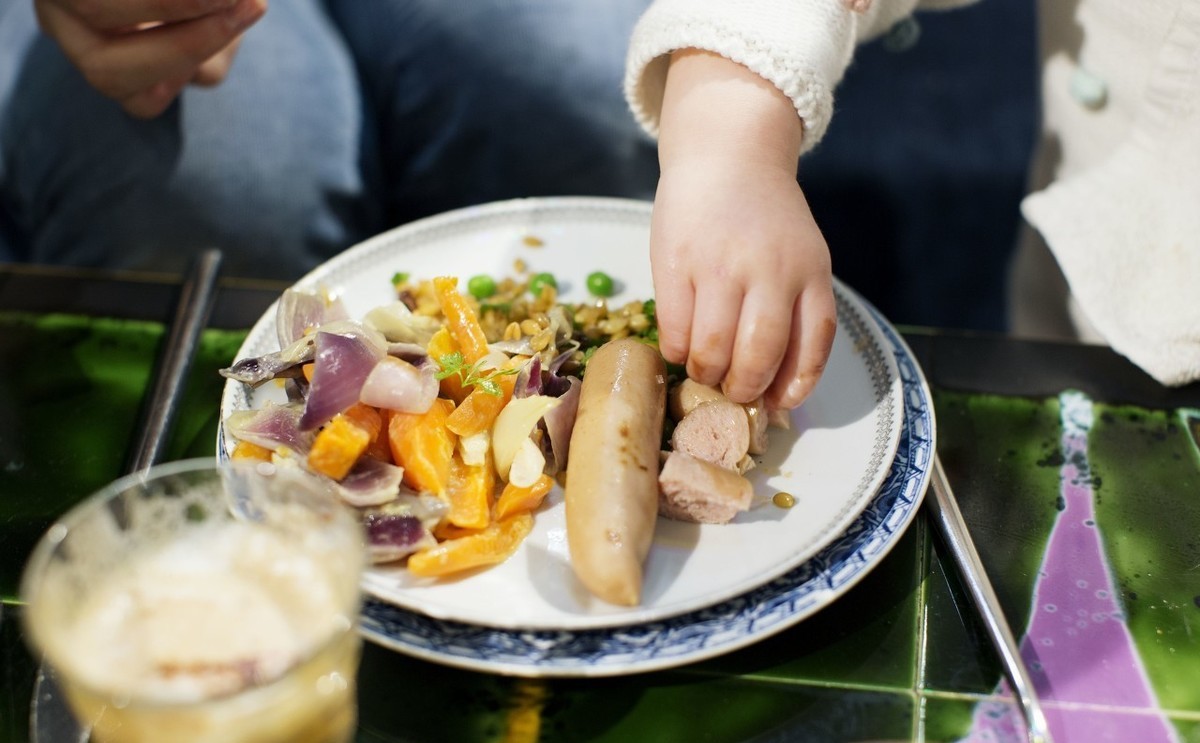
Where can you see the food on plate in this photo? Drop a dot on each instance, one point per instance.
(716, 431)
(419, 418)
(446, 415)
(612, 475)
(691, 489)
(689, 394)
(712, 444)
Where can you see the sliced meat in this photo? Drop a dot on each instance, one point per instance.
(716, 432)
(756, 415)
(691, 489)
(688, 395)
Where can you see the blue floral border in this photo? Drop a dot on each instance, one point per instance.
(708, 632)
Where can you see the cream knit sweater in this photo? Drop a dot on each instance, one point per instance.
(803, 47)
(1118, 175)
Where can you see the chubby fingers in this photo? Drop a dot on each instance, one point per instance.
(674, 294)
(674, 300)
(763, 333)
(814, 323)
(140, 67)
(718, 307)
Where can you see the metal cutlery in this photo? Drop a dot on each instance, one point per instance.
(953, 528)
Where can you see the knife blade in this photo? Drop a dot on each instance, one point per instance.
(948, 519)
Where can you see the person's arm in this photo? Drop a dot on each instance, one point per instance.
(142, 53)
(742, 275)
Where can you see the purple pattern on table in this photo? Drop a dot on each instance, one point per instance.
(1079, 651)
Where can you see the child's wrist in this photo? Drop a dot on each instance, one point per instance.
(717, 109)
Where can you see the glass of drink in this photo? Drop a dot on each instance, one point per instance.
(203, 602)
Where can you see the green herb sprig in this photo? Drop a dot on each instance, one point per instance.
(472, 375)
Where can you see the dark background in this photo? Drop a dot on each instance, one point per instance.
(918, 183)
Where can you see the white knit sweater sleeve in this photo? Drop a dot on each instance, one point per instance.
(801, 46)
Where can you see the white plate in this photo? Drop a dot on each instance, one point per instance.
(712, 631)
(838, 453)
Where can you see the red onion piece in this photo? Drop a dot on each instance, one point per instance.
(370, 482)
(340, 367)
(271, 427)
(278, 365)
(396, 384)
(561, 420)
(529, 379)
(299, 312)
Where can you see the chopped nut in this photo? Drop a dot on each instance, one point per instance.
(614, 324)
(541, 340)
(546, 299)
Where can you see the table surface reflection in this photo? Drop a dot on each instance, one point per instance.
(1078, 475)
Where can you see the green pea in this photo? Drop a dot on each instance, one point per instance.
(481, 286)
(600, 284)
(540, 280)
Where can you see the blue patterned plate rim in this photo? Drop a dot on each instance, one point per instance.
(849, 458)
(712, 631)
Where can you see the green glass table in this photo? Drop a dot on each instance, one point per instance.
(1078, 476)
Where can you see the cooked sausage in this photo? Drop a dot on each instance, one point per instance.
(756, 415)
(686, 396)
(692, 489)
(612, 474)
(716, 432)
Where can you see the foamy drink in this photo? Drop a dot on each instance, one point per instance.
(195, 610)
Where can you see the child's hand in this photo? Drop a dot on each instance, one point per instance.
(742, 275)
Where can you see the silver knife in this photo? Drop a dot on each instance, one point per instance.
(953, 528)
(191, 316)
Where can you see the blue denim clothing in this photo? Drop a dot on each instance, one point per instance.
(296, 155)
(343, 117)
(490, 100)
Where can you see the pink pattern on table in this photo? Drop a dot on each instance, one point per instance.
(1079, 651)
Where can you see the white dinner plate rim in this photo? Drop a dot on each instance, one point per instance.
(854, 318)
(706, 633)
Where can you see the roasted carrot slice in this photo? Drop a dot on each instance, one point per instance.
(445, 530)
(337, 447)
(442, 344)
(472, 489)
(365, 417)
(423, 446)
(493, 545)
(516, 499)
(479, 410)
(461, 320)
(381, 447)
(244, 450)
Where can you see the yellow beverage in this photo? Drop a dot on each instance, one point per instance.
(188, 614)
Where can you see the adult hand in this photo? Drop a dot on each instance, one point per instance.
(142, 53)
(742, 275)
